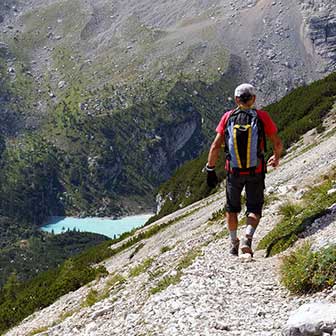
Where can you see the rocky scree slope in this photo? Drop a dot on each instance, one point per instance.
(281, 44)
(210, 291)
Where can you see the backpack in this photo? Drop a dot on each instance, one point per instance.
(244, 134)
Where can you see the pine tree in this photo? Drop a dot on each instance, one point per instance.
(11, 286)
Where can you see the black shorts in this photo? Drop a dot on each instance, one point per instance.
(254, 187)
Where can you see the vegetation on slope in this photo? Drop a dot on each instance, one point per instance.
(40, 251)
(106, 162)
(296, 218)
(305, 271)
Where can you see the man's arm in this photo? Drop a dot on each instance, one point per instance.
(277, 150)
(215, 149)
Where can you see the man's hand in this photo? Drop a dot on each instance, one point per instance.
(212, 179)
(273, 161)
(277, 150)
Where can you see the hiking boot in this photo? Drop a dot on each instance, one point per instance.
(247, 246)
(234, 248)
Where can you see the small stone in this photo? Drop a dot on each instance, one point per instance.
(331, 191)
(220, 326)
(61, 84)
(245, 257)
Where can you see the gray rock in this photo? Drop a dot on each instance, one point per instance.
(312, 319)
(61, 84)
(331, 191)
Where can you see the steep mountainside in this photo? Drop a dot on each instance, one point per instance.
(182, 281)
(147, 78)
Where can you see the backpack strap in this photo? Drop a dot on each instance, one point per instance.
(264, 140)
(226, 147)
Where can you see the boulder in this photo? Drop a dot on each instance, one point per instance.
(312, 319)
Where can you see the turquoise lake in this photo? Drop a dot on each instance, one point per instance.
(106, 226)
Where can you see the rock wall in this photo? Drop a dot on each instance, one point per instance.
(319, 29)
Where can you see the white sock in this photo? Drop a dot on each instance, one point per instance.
(250, 231)
(233, 235)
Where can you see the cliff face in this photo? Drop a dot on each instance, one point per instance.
(319, 29)
(176, 143)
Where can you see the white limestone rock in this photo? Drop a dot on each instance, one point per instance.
(312, 319)
(331, 191)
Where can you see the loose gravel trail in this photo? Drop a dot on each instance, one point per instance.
(217, 294)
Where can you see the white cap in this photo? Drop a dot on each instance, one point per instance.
(246, 89)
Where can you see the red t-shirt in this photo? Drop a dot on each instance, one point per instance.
(269, 127)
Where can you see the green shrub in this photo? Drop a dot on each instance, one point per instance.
(305, 271)
(92, 298)
(165, 282)
(141, 268)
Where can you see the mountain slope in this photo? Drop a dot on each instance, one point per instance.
(191, 255)
(79, 71)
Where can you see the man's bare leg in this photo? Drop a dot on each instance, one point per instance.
(252, 222)
(232, 224)
(232, 221)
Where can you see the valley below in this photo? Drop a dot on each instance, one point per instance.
(108, 109)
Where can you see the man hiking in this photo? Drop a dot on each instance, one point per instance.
(242, 132)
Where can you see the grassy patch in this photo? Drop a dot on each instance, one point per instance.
(165, 249)
(189, 258)
(38, 331)
(115, 280)
(157, 273)
(269, 199)
(165, 282)
(93, 297)
(65, 315)
(296, 218)
(221, 234)
(168, 280)
(305, 271)
(290, 210)
(218, 215)
(139, 269)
